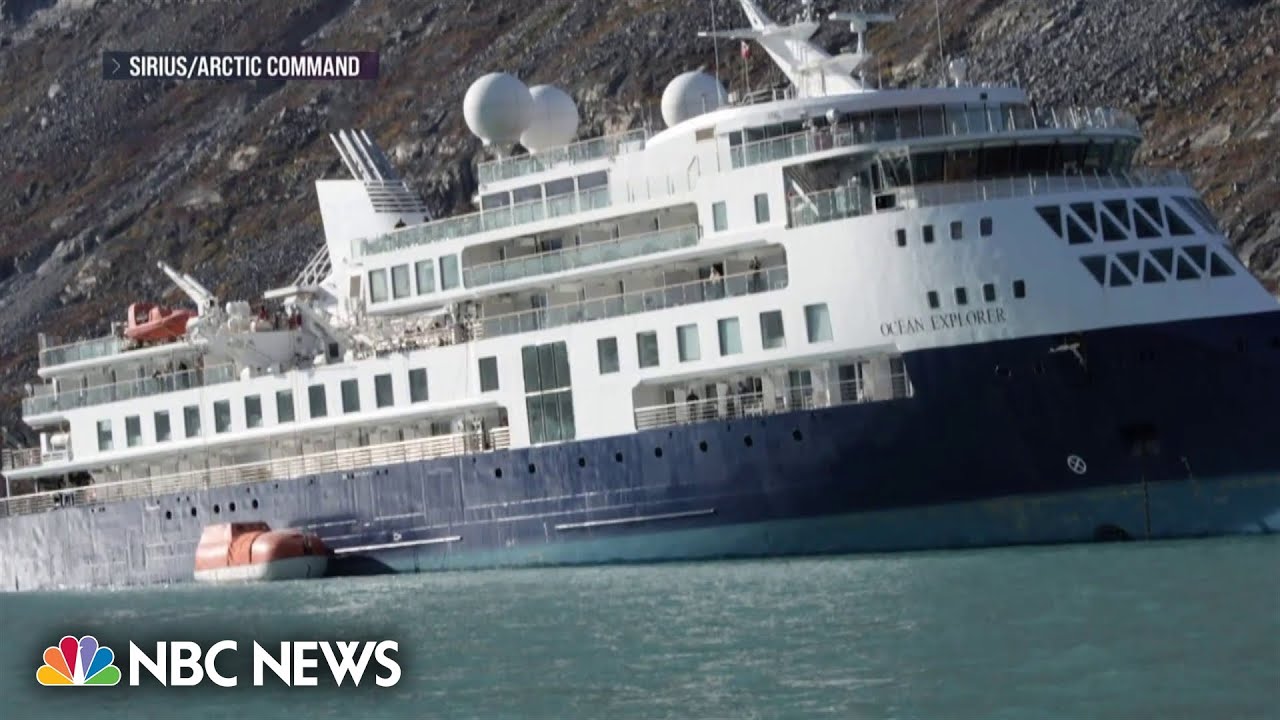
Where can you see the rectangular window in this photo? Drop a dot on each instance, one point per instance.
(222, 416)
(383, 395)
(418, 385)
(253, 411)
(989, 292)
(927, 232)
(448, 272)
(546, 367)
(984, 227)
(133, 431)
(350, 396)
(400, 282)
(488, 374)
(1019, 289)
(104, 435)
(762, 208)
(316, 401)
(730, 336)
(902, 237)
(607, 355)
(898, 378)
(191, 420)
(687, 343)
(771, 332)
(817, 322)
(377, 286)
(962, 296)
(719, 216)
(284, 406)
(426, 272)
(933, 300)
(163, 432)
(647, 349)
(550, 417)
(957, 230)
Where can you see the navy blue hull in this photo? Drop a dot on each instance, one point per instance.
(1147, 432)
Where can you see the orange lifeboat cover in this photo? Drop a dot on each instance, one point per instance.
(235, 544)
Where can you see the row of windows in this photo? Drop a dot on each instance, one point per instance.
(729, 336)
(720, 212)
(422, 282)
(1156, 266)
(988, 294)
(286, 412)
(1119, 220)
(985, 228)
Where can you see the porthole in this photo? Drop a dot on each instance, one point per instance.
(255, 503)
(702, 446)
(747, 441)
(532, 469)
(797, 435)
(497, 472)
(248, 490)
(657, 452)
(217, 509)
(193, 511)
(617, 457)
(231, 507)
(168, 514)
(582, 462)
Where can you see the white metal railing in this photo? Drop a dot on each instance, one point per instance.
(275, 469)
(846, 202)
(582, 151)
(871, 128)
(16, 459)
(577, 256)
(81, 350)
(756, 404)
(127, 389)
(477, 222)
(637, 301)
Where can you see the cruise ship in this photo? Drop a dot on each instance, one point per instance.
(828, 317)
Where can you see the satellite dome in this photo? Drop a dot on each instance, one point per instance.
(497, 108)
(689, 95)
(554, 120)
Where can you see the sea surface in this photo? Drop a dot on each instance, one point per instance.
(1138, 630)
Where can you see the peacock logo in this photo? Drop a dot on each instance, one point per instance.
(78, 662)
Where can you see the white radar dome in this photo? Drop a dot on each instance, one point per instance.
(497, 108)
(690, 95)
(554, 121)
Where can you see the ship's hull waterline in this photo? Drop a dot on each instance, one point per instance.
(1158, 431)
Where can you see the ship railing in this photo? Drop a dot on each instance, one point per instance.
(595, 253)
(267, 470)
(758, 404)
(497, 218)
(19, 458)
(764, 279)
(951, 121)
(82, 350)
(845, 202)
(582, 151)
(40, 404)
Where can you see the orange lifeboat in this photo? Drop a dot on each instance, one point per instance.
(152, 323)
(239, 552)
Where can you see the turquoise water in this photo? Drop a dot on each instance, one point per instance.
(1165, 630)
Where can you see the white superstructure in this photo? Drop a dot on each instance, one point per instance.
(751, 258)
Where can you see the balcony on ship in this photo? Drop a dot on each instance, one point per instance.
(57, 397)
(510, 168)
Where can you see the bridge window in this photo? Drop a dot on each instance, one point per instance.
(488, 374)
(418, 385)
(222, 416)
(377, 286)
(1219, 267)
(133, 431)
(1150, 273)
(719, 216)
(253, 411)
(426, 272)
(1186, 270)
(762, 208)
(1118, 277)
(1177, 226)
(191, 420)
(1097, 266)
(817, 321)
(383, 395)
(1145, 225)
(163, 431)
(772, 335)
(730, 336)
(1052, 217)
(104, 435)
(316, 401)
(687, 343)
(607, 355)
(647, 349)
(400, 282)
(284, 406)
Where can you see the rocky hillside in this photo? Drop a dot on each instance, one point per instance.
(104, 178)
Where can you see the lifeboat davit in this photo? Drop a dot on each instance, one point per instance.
(245, 551)
(152, 323)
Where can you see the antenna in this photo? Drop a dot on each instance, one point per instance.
(942, 55)
(715, 40)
